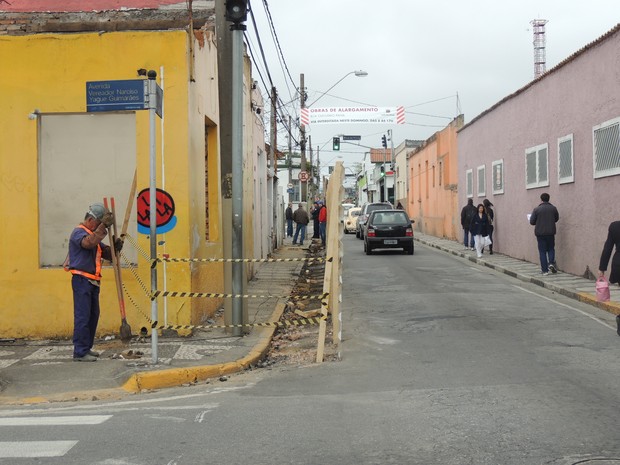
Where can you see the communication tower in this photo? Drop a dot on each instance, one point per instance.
(540, 54)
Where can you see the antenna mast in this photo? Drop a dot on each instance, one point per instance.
(540, 54)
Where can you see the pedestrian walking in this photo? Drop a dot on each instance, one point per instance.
(315, 219)
(322, 222)
(479, 229)
(301, 218)
(289, 220)
(544, 217)
(491, 219)
(467, 215)
(84, 263)
(613, 240)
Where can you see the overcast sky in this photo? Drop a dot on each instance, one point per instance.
(419, 54)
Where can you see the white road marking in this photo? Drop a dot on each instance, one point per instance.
(55, 421)
(568, 306)
(7, 362)
(26, 449)
(123, 404)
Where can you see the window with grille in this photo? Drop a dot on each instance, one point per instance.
(606, 139)
(565, 160)
(537, 166)
(469, 183)
(497, 173)
(481, 181)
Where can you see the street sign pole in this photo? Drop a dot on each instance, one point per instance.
(152, 99)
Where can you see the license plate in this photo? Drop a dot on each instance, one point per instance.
(390, 241)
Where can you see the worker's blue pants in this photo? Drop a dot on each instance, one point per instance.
(85, 314)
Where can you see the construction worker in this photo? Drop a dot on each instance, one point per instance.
(84, 262)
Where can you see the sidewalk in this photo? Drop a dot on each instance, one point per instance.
(569, 285)
(44, 371)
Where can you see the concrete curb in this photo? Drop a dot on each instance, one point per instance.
(179, 376)
(585, 297)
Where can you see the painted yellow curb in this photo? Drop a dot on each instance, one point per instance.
(179, 376)
(611, 307)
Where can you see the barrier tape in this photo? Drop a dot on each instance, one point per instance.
(154, 262)
(278, 324)
(239, 260)
(156, 294)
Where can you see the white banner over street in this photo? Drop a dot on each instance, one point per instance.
(353, 115)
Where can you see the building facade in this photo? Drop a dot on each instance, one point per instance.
(559, 134)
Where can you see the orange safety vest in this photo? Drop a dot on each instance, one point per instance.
(97, 275)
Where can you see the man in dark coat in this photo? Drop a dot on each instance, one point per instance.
(289, 220)
(544, 217)
(315, 218)
(467, 214)
(301, 219)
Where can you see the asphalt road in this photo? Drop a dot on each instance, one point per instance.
(444, 362)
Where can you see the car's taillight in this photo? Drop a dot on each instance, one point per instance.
(409, 232)
(371, 232)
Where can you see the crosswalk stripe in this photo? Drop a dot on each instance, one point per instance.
(27, 449)
(55, 421)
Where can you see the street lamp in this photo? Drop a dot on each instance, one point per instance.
(358, 73)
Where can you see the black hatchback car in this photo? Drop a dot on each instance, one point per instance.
(389, 229)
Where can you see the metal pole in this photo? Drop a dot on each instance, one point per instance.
(237, 175)
(385, 191)
(290, 154)
(392, 166)
(153, 202)
(302, 139)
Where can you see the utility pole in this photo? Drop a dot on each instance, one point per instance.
(302, 139)
(290, 154)
(318, 168)
(236, 13)
(310, 182)
(392, 167)
(272, 162)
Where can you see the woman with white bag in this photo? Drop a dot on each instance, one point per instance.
(480, 230)
(613, 240)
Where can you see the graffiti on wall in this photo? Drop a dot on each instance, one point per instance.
(165, 219)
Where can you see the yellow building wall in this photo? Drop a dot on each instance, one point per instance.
(432, 177)
(48, 72)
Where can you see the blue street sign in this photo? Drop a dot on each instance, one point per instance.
(129, 94)
(290, 191)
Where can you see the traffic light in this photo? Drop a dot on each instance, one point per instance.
(336, 144)
(384, 141)
(236, 11)
(382, 169)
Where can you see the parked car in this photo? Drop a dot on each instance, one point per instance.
(367, 208)
(350, 220)
(388, 229)
(345, 209)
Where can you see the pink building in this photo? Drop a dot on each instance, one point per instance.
(432, 178)
(559, 134)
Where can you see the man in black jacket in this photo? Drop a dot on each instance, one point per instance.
(289, 220)
(467, 214)
(544, 217)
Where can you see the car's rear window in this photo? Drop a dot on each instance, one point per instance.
(381, 206)
(398, 218)
(355, 212)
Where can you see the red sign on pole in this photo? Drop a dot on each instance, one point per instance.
(303, 176)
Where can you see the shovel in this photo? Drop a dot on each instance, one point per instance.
(125, 328)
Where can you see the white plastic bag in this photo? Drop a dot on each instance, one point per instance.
(486, 241)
